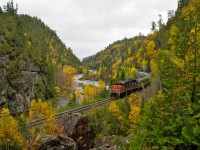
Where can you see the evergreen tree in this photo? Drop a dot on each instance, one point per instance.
(1, 11)
(123, 75)
(160, 21)
(182, 3)
(170, 14)
(9, 8)
(153, 26)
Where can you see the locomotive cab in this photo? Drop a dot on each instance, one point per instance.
(117, 89)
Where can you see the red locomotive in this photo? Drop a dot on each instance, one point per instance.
(121, 88)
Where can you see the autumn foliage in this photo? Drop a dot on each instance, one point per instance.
(40, 109)
(115, 111)
(69, 73)
(90, 92)
(135, 108)
(65, 81)
(134, 114)
(9, 130)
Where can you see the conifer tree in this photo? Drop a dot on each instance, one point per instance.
(9, 8)
(153, 26)
(1, 11)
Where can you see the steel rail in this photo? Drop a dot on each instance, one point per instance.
(76, 110)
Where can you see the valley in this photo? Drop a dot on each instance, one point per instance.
(42, 79)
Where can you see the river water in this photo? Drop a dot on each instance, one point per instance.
(77, 86)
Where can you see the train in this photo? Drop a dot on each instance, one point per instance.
(121, 88)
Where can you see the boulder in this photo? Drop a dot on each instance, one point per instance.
(69, 143)
(49, 142)
(77, 127)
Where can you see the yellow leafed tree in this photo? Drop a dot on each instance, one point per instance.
(134, 99)
(42, 109)
(133, 114)
(135, 104)
(151, 49)
(133, 70)
(85, 72)
(101, 85)
(151, 53)
(77, 94)
(99, 71)
(115, 111)
(89, 92)
(9, 130)
(69, 72)
(144, 64)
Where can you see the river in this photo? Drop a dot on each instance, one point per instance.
(77, 86)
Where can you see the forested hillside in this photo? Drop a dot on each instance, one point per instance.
(30, 56)
(35, 64)
(170, 119)
(130, 53)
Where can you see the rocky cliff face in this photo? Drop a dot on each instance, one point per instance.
(17, 92)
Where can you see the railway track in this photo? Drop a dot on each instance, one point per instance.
(76, 110)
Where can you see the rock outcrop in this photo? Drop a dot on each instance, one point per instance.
(49, 142)
(17, 92)
(77, 127)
